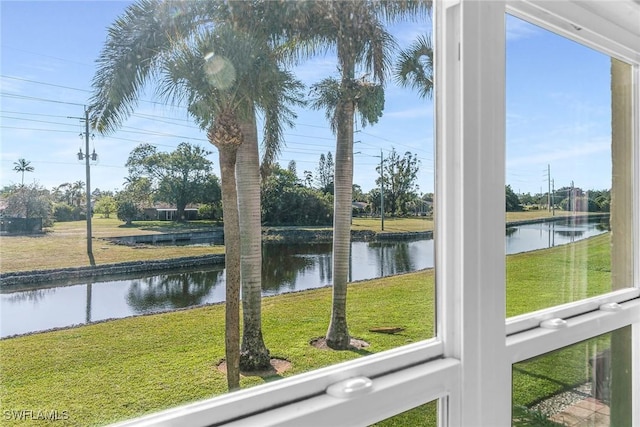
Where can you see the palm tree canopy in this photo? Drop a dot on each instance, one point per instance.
(23, 165)
(212, 56)
(414, 68)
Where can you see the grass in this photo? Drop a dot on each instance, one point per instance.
(129, 367)
(65, 245)
(139, 365)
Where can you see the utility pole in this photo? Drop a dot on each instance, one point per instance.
(381, 192)
(86, 156)
(549, 193)
(553, 207)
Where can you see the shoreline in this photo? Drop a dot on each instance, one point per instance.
(269, 235)
(279, 236)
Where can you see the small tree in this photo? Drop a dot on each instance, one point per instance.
(105, 206)
(400, 180)
(127, 211)
(31, 201)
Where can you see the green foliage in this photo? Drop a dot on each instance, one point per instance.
(286, 202)
(399, 175)
(367, 99)
(325, 173)
(180, 177)
(30, 201)
(128, 211)
(65, 212)
(414, 68)
(105, 206)
(511, 200)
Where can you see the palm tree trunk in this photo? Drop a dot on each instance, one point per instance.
(338, 333)
(254, 354)
(232, 264)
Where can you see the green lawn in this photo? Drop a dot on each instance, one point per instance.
(123, 368)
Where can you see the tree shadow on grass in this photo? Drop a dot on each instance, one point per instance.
(356, 345)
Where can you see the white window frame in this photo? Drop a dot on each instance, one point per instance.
(468, 365)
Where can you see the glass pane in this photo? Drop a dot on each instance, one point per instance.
(569, 173)
(586, 384)
(423, 416)
(138, 220)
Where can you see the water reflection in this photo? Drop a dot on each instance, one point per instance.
(286, 267)
(542, 235)
(172, 291)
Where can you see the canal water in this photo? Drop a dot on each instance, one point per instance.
(286, 268)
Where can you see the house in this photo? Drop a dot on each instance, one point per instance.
(169, 214)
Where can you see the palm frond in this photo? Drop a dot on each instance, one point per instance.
(414, 68)
(136, 42)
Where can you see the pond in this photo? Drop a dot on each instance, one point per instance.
(286, 268)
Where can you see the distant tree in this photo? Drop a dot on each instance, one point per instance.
(400, 176)
(291, 167)
(211, 197)
(511, 200)
(179, 177)
(23, 166)
(138, 190)
(308, 179)
(325, 173)
(286, 202)
(127, 211)
(357, 194)
(130, 201)
(105, 206)
(527, 199)
(65, 212)
(30, 201)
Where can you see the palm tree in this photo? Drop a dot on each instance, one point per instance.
(223, 75)
(23, 166)
(361, 42)
(414, 67)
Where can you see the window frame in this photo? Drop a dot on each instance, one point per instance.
(467, 366)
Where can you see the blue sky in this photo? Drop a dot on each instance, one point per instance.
(557, 98)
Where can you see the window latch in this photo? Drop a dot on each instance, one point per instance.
(352, 387)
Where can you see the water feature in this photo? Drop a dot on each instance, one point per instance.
(286, 268)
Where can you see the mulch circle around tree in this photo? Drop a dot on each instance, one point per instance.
(278, 366)
(354, 344)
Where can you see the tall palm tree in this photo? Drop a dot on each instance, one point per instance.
(23, 166)
(357, 32)
(414, 68)
(223, 75)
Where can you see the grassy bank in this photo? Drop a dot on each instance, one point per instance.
(115, 370)
(124, 368)
(65, 244)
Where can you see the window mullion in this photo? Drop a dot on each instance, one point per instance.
(470, 255)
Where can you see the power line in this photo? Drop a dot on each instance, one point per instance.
(43, 83)
(33, 98)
